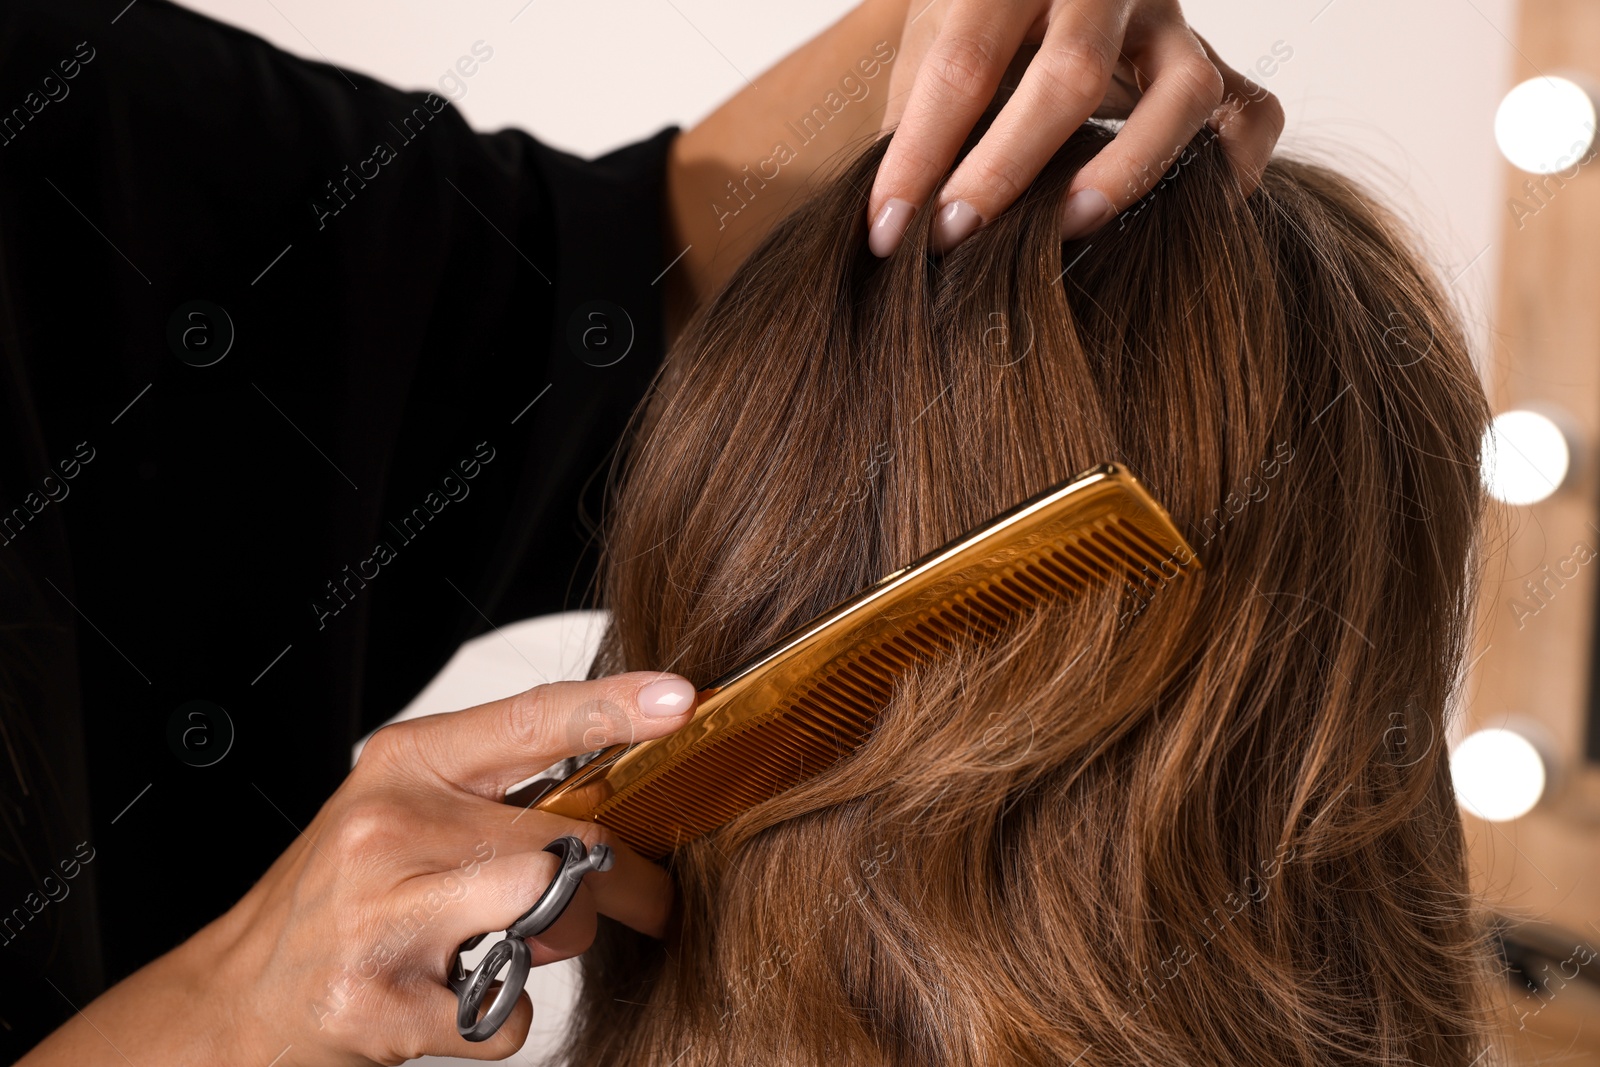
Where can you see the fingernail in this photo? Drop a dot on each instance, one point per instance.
(890, 227)
(1086, 210)
(955, 222)
(668, 697)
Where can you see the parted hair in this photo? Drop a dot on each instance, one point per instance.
(1219, 829)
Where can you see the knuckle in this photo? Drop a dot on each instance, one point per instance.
(1080, 68)
(909, 170)
(1249, 133)
(370, 827)
(1002, 181)
(1198, 83)
(387, 744)
(1269, 112)
(962, 64)
(556, 720)
(530, 716)
(601, 722)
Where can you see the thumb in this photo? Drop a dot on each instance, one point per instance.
(489, 748)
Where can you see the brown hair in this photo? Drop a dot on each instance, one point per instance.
(1218, 830)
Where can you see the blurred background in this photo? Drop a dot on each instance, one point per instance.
(1474, 118)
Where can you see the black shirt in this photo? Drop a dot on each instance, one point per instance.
(304, 383)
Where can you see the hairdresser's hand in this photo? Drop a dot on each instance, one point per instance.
(340, 953)
(1111, 58)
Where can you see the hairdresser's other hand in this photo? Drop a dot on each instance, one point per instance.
(339, 954)
(1110, 58)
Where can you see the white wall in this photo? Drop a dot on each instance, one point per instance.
(1400, 92)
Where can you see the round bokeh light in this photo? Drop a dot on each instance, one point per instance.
(1499, 775)
(1545, 125)
(1525, 457)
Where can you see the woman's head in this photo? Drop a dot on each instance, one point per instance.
(1220, 830)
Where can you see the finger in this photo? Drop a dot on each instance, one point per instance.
(1066, 82)
(1122, 95)
(635, 891)
(500, 896)
(569, 936)
(471, 835)
(1184, 88)
(915, 39)
(489, 748)
(954, 83)
(431, 1028)
(1248, 122)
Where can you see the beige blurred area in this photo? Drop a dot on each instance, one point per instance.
(1533, 667)
(1401, 94)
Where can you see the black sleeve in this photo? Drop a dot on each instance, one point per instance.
(307, 382)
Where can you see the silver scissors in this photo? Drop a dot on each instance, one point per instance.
(471, 988)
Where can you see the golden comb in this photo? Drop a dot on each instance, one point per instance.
(807, 701)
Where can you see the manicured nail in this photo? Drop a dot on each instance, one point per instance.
(1086, 210)
(666, 698)
(955, 222)
(890, 227)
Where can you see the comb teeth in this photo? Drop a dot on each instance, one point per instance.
(829, 712)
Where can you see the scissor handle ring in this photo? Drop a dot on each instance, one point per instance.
(471, 988)
(513, 951)
(576, 861)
